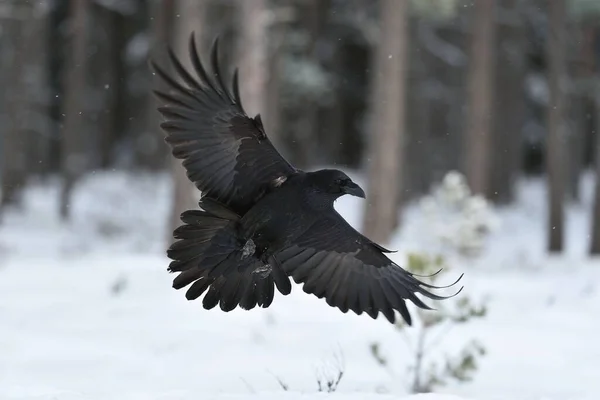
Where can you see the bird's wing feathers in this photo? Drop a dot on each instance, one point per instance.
(336, 262)
(225, 152)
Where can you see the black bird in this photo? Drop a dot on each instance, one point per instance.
(262, 220)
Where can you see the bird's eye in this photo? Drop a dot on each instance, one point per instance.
(338, 181)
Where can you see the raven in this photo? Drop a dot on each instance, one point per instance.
(261, 220)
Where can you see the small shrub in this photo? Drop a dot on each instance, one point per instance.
(119, 285)
(429, 329)
(330, 376)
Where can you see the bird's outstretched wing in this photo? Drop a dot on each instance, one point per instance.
(225, 152)
(351, 272)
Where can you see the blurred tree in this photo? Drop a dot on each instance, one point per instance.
(480, 87)
(73, 151)
(351, 33)
(348, 65)
(306, 67)
(595, 238)
(106, 72)
(190, 18)
(57, 53)
(436, 94)
(593, 63)
(252, 54)
(508, 103)
(161, 34)
(386, 152)
(575, 106)
(36, 89)
(278, 22)
(587, 84)
(555, 147)
(149, 151)
(17, 24)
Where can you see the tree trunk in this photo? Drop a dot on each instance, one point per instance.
(386, 153)
(152, 150)
(191, 17)
(555, 158)
(108, 72)
(26, 140)
(305, 130)
(576, 136)
(272, 112)
(56, 38)
(595, 239)
(252, 52)
(480, 82)
(333, 117)
(73, 150)
(509, 105)
(579, 70)
(14, 143)
(155, 149)
(36, 89)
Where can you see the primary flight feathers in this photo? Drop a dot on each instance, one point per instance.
(262, 220)
(226, 153)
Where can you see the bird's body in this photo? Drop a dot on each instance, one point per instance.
(262, 220)
(299, 205)
(275, 230)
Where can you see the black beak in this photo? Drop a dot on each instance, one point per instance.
(353, 189)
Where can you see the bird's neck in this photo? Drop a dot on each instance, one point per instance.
(319, 201)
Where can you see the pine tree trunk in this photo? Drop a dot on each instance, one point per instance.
(73, 145)
(576, 136)
(13, 158)
(162, 28)
(191, 18)
(252, 54)
(595, 239)
(305, 131)
(25, 137)
(509, 99)
(272, 102)
(152, 151)
(479, 117)
(36, 89)
(576, 110)
(555, 157)
(386, 152)
(108, 72)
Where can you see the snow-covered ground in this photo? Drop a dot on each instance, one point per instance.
(87, 311)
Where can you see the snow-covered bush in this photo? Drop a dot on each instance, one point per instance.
(459, 220)
(430, 328)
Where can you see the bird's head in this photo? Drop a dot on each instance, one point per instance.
(336, 183)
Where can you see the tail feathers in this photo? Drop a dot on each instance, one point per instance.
(265, 290)
(206, 238)
(208, 256)
(238, 288)
(249, 298)
(201, 232)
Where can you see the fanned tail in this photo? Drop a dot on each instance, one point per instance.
(208, 255)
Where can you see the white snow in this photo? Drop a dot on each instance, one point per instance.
(87, 311)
